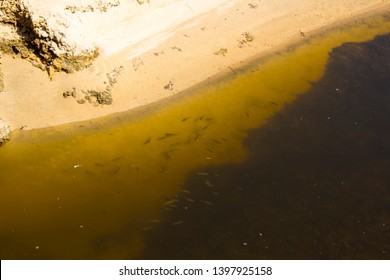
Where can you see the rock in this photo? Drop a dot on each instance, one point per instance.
(57, 35)
(4, 131)
(102, 97)
(53, 31)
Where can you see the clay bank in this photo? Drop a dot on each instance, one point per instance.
(64, 61)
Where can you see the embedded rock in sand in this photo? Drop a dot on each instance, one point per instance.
(54, 31)
(4, 131)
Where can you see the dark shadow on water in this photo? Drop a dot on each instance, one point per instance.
(317, 182)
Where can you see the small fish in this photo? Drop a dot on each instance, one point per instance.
(186, 118)
(98, 164)
(177, 223)
(185, 191)
(190, 200)
(216, 141)
(166, 135)
(166, 155)
(170, 202)
(211, 151)
(247, 114)
(146, 228)
(209, 119)
(274, 103)
(117, 158)
(204, 128)
(196, 136)
(208, 183)
(199, 119)
(136, 167)
(147, 141)
(206, 202)
(202, 174)
(115, 171)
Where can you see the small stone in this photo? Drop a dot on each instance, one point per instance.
(169, 86)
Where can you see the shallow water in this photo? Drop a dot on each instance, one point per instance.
(195, 178)
(316, 184)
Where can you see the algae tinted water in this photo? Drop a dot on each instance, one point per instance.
(316, 184)
(136, 186)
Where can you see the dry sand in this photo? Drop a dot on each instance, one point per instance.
(164, 59)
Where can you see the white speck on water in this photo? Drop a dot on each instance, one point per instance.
(245, 244)
(260, 234)
(81, 226)
(36, 247)
(77, 166)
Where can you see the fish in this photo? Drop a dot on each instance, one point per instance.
(166, 155)
(206, 202)
(196, 136)
(170, 202)
(147, 141)
(177, 223)
(117, 158)
(186, 118)
(115, 171)
(199, 119)
(207, 183)
(136, 167)
(166, 135)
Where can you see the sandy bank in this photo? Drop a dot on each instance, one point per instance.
(161, 50)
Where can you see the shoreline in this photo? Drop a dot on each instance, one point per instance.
(194, 46)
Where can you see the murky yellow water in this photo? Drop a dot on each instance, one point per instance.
(91, 190)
